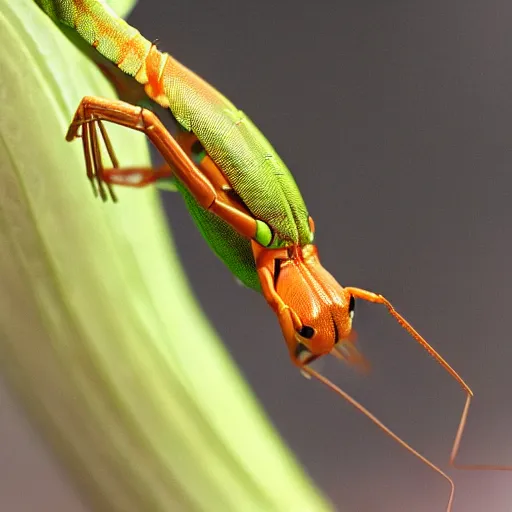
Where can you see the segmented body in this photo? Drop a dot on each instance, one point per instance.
(253, 168)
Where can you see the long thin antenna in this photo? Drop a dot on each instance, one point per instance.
(379, 299)
(386, 430)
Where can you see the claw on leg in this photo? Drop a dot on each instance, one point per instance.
(92, 152)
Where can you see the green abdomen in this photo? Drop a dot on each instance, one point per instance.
(233, 249)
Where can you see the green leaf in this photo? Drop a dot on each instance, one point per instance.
(100, 335)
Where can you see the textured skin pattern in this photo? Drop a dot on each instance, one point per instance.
(234, 250)
(253, 168)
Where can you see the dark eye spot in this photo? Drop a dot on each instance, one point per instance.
(307, 332)
(351, 306)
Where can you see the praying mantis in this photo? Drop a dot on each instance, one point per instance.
(239, 192)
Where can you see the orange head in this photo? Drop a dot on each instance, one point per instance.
(317, 319)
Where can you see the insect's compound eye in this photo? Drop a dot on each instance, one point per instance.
(306, 332)
(351, 307)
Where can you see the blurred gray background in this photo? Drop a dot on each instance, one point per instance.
(396, 119)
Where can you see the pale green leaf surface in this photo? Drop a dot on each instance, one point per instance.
(99, 332)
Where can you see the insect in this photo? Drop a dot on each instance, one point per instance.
(239, 192)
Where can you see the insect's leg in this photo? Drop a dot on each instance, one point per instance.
(265, 260)
(308, 370)
(97, 174)
(136, 176)
(92, 158)
(379, 299)
(273, 298)
(140, 119)
(132, 176)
